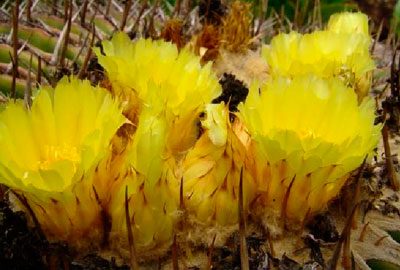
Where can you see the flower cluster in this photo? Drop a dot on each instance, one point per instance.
(309, 134)
(342, 50)
(152, 133)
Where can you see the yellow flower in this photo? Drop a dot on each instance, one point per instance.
(153, 190)
(309, 135)
(349, 22)
(163, 91)
(48, 154)
(336, 52)
(155, 73)
(211, 170)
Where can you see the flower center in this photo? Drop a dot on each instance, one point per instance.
(306, 134)
(54, 153)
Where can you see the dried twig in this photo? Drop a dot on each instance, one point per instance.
(54, 58)
(391, 172)
(54, 7)
(379, 241)
(262, 16)
(15, 49)
(39, 71)
(25, 203)
(110, 19)
(345, 239)
(296, 14)
(177, 7)
(181, 198)
(28, 10)
(28, 89)
(117, 6)
(10, 66)
(83, 68)
(207, 9)
(351, 221)
(285, 202)
(302, 227)
(5, 4)
(363, 232)
(135, 25)
(357, 191)
(175, 263)
(95, 10)
(5, 13)
(153, 13)
(132, 250)
(244, 257)
(66, 11)
(271, 245)
(210, 253)
(83, 11)
(83, 46)
(345, 234)
(377, 37)
(105, 219)
(107, 8)
(125, 14)
(14, 79)
(66, 39)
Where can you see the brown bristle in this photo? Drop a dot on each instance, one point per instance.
(236, 27)
(209, 39)
(132, 250)
(173, 32)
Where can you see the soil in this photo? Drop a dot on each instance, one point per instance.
(22, 247)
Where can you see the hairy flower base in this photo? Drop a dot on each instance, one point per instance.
(73, 216)
(304, 153)
(153, 189)
(48, 156)
(114, 167)
(297, 194)
(153, 212)
(211, 171)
